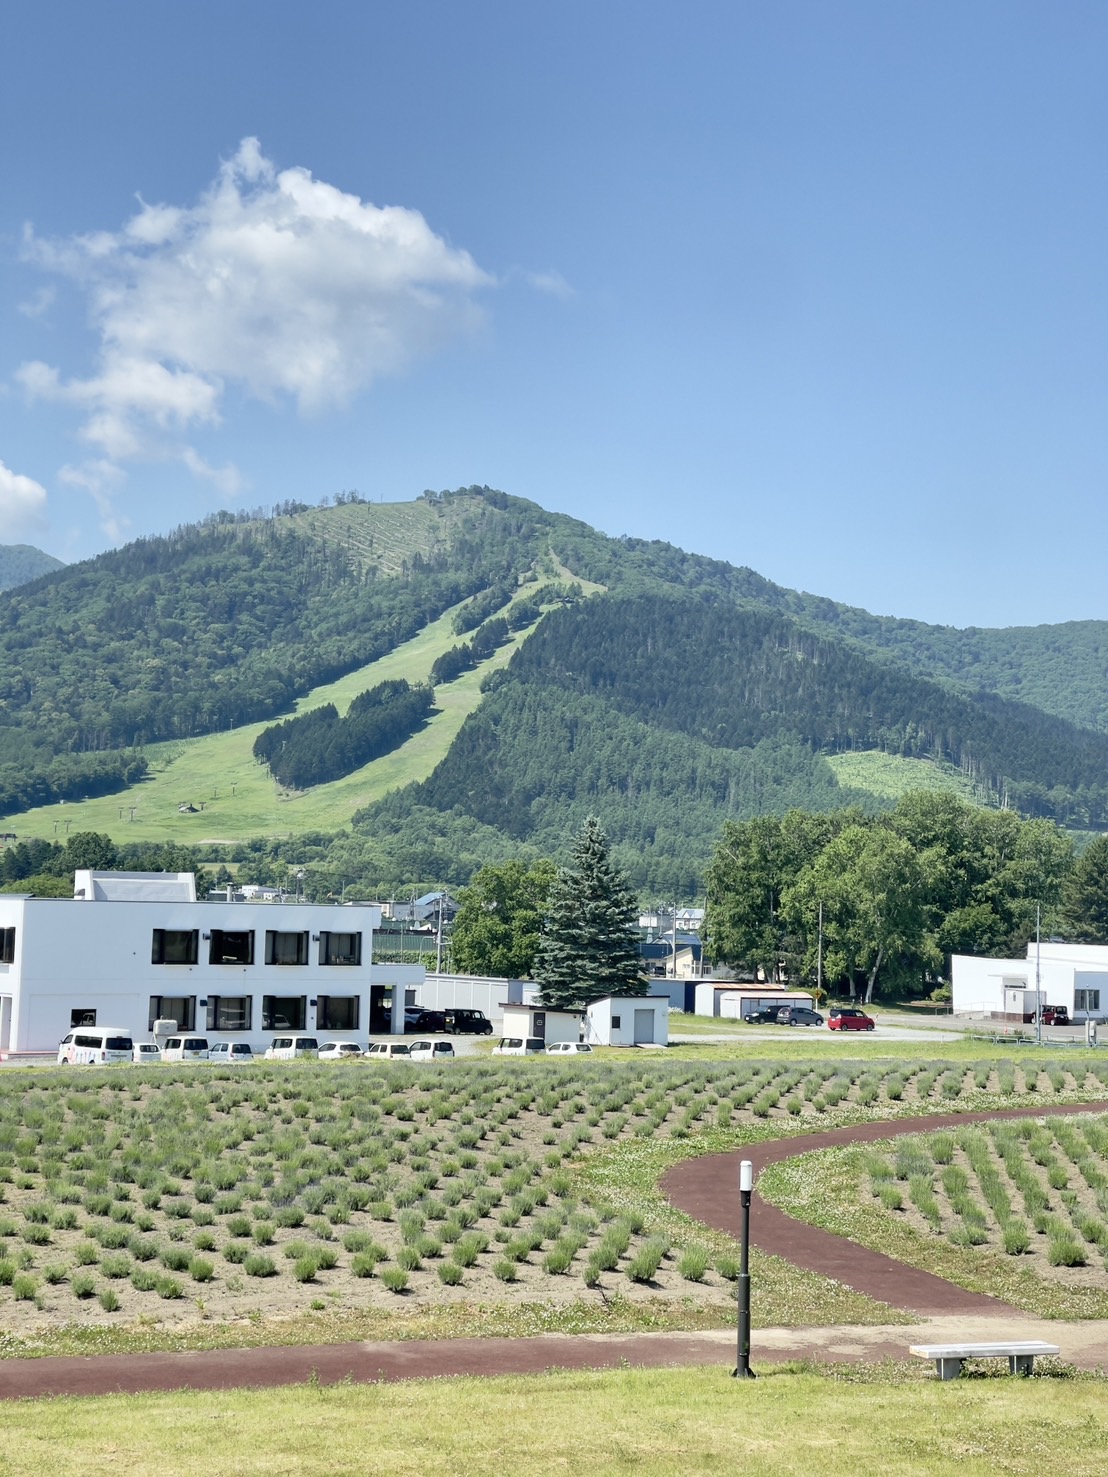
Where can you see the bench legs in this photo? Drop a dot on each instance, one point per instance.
(950, 1369)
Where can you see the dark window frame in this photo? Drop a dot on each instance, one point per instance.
(269, 1009)
(157, 1012)
(7, 945)
(345, 959)
(352, 1006)
(243, 1012)
(217, 949)
(158, 945)
(271, 937)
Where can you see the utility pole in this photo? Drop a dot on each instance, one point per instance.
(819, 952)
(1038, 991)
(438, 938)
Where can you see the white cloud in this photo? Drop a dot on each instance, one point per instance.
(551, 282)
(22, 501)
(275, 282)
(38, 303)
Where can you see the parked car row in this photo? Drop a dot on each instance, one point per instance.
(843, 1017)
(102, 1047)
(458, 1021)
(536, 1046)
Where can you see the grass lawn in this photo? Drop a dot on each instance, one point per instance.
(892, 775)
(892, 1420)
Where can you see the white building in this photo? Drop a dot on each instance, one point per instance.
(628, 1020)
(539, 1022)
(134, 948)
(1073, 975)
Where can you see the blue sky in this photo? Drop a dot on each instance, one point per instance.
(821, 288)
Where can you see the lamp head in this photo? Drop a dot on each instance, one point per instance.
(746, 1176)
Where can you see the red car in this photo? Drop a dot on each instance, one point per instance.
(848, 1018)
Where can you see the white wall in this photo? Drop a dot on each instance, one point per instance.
(558, 1025)
(601, 1018)
(473, 992)
(96, 955)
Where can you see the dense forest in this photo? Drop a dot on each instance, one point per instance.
(691, 692)
(21, 563)
(318, 746)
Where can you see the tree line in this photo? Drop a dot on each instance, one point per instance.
(879, 904)
(315, 747)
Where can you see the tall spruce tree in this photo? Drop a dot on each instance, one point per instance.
(588, 947)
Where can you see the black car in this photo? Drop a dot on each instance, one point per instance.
(798, 1015)
(421, 1022)
(766, 1017)
(465, 1022)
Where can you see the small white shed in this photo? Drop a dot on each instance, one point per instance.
(536, 1020)
(628, 1020)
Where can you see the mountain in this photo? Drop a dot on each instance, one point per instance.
(573, 673)
(21, 563)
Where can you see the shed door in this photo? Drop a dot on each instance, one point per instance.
(644, 1027)
(538, 1024)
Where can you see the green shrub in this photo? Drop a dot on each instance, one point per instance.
(237, 1252)
(305, 1267)
(24, 1287)
(1064, 1251)
(169, 1288)
(505, 1269)
(176, 1258)
(109, 1300)
(54, 1274)
(1016, 1238)
(395, 1279)
(201, 1270)
(693, 1263)
(408, 1258)
(116, 1266)
(259, 1265)
(450, 1274)
(83, 1285)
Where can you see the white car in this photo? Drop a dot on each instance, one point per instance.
(147, 1052)
(567, 1048)
(339, 1051)
(230, 1051)
(431, 1051)
(387, 1051)
(287, 1048)
(519, 1046)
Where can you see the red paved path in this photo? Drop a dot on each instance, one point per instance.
(705, 1187)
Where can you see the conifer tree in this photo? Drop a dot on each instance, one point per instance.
(588, 948)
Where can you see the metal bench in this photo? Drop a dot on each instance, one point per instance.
(948, 1357)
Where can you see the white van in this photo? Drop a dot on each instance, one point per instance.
(185, 1049)
(519, 1046)
(96, 1046)
(388, 1051)
(147, 1052)
(284, 1048)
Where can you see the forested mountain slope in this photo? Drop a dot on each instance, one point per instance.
(693, 690)
(21, 563)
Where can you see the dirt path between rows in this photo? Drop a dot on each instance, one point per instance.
(705, 1188)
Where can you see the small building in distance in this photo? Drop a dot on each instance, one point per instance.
(628, 1020)
(1073, 975)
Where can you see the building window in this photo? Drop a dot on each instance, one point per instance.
(615, 1023)
(231, 946)
(82, 1018)
(340, 948)
(337, 1013)
(174, 946)
(285, 948)
(284, 1012)
(1087, 1000)
(179, 1008)
(7, 945)
(230, 1012)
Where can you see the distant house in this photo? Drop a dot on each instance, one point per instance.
(423, 909)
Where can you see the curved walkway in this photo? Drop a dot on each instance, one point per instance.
(705, 1188)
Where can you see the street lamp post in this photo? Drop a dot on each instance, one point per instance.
(742, 1370)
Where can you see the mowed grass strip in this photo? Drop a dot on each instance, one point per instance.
(894, 1420)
